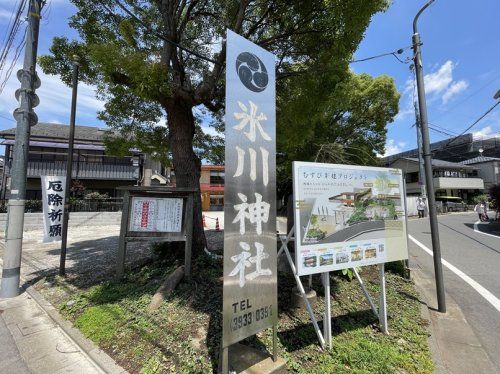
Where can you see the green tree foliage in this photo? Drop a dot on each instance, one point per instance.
(480, 198)
(145, 79)
(495, 196)
(334, 117)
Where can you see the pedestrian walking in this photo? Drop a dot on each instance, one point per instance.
(420, 207)
(479, 210)
(485, 211)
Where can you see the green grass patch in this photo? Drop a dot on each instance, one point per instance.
(183, 336)
(100, 322)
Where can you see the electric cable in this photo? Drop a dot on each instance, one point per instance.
(473, 124)
(9, 40)
(158, 35)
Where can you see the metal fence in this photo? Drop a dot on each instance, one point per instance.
(76, 205)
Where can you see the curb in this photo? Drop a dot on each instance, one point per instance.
(424, 311)
(454, 346)
(98, 357)
(478, 223)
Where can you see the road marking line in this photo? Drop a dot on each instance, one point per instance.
(476, 229)
(492, 299)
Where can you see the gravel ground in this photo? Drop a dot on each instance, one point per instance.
(91, 254)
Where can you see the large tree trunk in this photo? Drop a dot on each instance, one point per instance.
(187, 164)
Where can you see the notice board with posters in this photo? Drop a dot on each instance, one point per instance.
(156, 214)
(160, 214)
(347, 216)
(250, 302)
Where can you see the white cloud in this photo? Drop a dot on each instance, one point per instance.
(392, 147)
(55, 100)
(439, 85)
(5, 15)
(485, 132)
(454, 90)
(439, 80)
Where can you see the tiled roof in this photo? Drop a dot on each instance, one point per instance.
(56, 131)
(479, 159)
(439, 163)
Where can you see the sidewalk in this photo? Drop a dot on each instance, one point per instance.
(34, 338)
(10, 358)
(37, 343)
(491, 228)
(454, 345)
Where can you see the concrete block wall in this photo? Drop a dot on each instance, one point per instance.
(34, 221)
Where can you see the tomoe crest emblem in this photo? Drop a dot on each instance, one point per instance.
(252, 72)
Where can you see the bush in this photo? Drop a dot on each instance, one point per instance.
(33, 206)
(480, 198)
(495, 195)
(96, 196)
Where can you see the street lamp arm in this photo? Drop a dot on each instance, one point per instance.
(418, 15)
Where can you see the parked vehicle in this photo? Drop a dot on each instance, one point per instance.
(452, 204)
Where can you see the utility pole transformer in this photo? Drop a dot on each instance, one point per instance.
(429, 180)
(25, 118)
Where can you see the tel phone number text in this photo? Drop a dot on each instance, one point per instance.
(250, 317)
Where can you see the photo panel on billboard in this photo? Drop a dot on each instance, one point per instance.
(347, 216)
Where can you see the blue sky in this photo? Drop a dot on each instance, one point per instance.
(461, 57)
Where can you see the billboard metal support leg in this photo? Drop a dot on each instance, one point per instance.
(383, 302)
(225, 360)
(284, 247)
(365, 291)
(327, 321)
(275, 343)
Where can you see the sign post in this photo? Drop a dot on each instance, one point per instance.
(250, 268)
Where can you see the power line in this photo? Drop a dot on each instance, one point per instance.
(150, 30)
(468, 97)
(13, 63)
(450, 132)
(7, 118)
(439, 131)
(190, 51)
(9, 40)
(473, 124)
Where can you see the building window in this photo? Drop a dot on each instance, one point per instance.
(216, 202)
(216, 177)
(412, 177)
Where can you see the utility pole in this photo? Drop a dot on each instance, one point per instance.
(429, 180)
(69, 166)
(25, 118)
(421, 169)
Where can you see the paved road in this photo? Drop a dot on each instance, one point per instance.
(475, 254)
